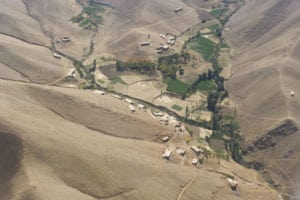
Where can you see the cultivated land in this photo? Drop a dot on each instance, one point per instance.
(74, 127)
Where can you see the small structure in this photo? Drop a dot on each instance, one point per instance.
(159, 51)
(165, 47)
(141, 106)
(172, 37)
(56, 55)
(292, 93)
(233, 184)
(178, 9)
(71, 73)
(195, 161)
(65, 39)
(164, 118)
(162, 36)
(167, 154)
(100, 92)
(129, 101)
(181, 151)
(143, 44)
(165, 139)
(131, 108)
(116, 96)
(196, 149)
(158, 114)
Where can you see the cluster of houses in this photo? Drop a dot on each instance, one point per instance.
(71, 73)
(132, 104)
(170, 120)
(64, 39)
(170, 40)
(181, 151)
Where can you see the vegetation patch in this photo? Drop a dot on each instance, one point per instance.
(214, 27)
(203, 46)
(217, 13)
(207, 85)
(176, 86)
(141, 66)
(176, 107)
(90, 17)
(224, 45)
(101, 81)
(117, 79)
(169, 65)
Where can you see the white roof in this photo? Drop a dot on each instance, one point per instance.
(158, 113)
(131, 107)
(180, 151)
(140, 106)
(128, 100)
(167, 153)
(99, 92)
(195, 161)
(116, 96)
(196, 149)
(232, 182)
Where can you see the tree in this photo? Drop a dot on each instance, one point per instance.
(215, 122)
(181, 71)
(187, 112)
(204, 76)
(209, 74)
(119, 66)
(212, 100)
(219, 32)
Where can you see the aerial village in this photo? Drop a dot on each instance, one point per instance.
(179, 144)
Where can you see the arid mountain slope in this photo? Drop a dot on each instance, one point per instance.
(46, 156)
(265, 40)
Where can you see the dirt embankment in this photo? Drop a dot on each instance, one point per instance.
(272, 137)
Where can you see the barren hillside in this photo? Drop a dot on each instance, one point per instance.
(265, 37)
(47, 155)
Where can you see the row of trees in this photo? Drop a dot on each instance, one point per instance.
(170, 65)
(141, 66)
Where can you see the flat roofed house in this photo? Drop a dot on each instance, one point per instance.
(143, 44)
(178, 9)
(167, 154)
(195, 161)
(196, 149)
(65, 39)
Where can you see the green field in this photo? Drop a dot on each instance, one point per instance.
(89, 16)
(176, 86)
(117, 79)
(207, 85)
(214, 27)
(203, 46)
(176, 107)
(101, 81)
(224, 45)
(217, 13)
